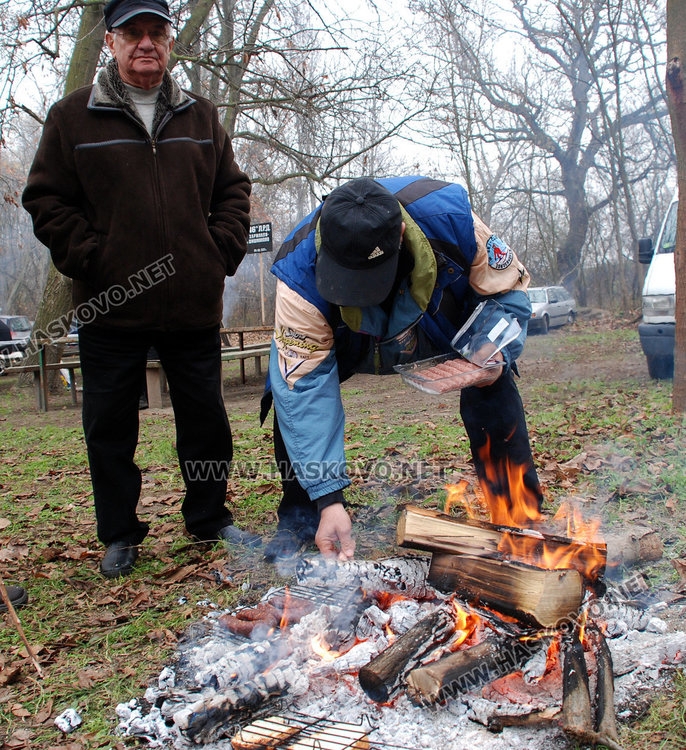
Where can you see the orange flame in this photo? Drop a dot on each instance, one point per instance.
(465, 624)
(511, 503)
(319, 647)
(283, 622)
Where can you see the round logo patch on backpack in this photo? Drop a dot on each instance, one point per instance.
(500, 254)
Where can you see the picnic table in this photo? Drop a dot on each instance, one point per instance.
(240, 351)
(41, 369)
(230, 352)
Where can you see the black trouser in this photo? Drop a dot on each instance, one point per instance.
(113, 363)
(496, 425)
(493, 414)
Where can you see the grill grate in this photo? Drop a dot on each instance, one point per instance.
(296, 731)
(338, 596)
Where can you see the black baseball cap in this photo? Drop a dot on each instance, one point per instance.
(360, 233)
(118, 12)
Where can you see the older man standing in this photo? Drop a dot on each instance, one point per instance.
(135, 191)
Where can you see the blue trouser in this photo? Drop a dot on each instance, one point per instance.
(113, 363)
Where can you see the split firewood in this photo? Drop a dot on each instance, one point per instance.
(544, 717)
(539, 597)
(605, 719)
(632, 546)
(468, 669)
(386, 672)
(576, 697)
(265, 734)
(432, 531)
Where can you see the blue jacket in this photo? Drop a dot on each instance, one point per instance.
(457, 263)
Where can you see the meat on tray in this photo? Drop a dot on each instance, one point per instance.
(449, 375)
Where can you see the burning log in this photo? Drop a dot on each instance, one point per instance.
(421, 528)
(211, 718)
(576, 697)
(605, 719)
(386, 672)
(577, 715)
(543, 598)
(468, 669)
(341, 631)
(544, 717)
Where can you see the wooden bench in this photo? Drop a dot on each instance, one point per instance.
(41, 385)
(243, 351)
(157, 383)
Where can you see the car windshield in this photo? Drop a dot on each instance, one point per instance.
(19, 323)
(668, 240)
(537, 295)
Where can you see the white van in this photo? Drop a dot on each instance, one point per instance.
(656, 330)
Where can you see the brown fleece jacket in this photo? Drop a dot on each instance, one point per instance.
(147, 227)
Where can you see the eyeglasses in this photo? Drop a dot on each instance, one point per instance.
(133, 34)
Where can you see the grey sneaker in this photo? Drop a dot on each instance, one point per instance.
(233, 535)
(17, 596)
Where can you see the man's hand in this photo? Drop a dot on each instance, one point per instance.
(481, 357)
(334, 535)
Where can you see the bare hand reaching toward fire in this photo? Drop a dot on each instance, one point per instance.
(334, 535)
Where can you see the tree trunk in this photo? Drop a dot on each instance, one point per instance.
(56, 302)
(676, 95)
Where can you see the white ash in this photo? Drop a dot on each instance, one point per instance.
(406, 575)
(353, 660)
(405, 614)
(534, 669)
(372, 619)
(68, 720)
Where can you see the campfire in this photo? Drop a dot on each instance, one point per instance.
(504, 625)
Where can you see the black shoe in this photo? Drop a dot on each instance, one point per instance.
(119, 559)
(17, 596)
(285, 545)
(233, 535)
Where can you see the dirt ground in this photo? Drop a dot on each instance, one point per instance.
(540, 362)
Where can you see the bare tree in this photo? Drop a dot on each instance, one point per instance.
(576, 95)
(676, 88)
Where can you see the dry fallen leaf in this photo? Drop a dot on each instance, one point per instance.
(680, 567)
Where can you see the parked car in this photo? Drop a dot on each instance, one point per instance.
(658, 324)
(20, 330)
(8, 349)
(551, 306)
